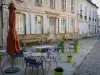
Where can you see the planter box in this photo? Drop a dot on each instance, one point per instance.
(58, 73)
(69, 59)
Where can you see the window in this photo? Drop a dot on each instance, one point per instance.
(38, 2)
(52, 3)
(20, 26)
(63, 25)
(38, 24)
(72, 6)
(63, 3)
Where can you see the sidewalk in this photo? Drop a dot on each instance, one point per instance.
(69, 68)
(91, 65)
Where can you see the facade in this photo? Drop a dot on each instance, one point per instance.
(87, 18)
(54, 19)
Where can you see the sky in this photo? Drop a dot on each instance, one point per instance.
(97, 2)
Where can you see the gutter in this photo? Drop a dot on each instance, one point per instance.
(2, 24)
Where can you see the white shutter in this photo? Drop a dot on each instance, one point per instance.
(27, 23)
(32, 24)
(45, 29)
(59, 25)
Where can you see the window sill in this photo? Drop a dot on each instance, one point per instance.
(63, 9)
(37, 4)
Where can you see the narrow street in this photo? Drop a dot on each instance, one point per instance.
(91, 65)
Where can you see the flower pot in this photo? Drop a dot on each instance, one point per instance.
(39, 50)
(61, 51)
(69, 59)
(0, 57)
(58, 73)
(76, 49)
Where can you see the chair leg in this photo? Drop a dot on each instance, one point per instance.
(49, 65)
(25, 70)
(1, 71)
(37, 71)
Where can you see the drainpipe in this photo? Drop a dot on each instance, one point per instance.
(2, 24)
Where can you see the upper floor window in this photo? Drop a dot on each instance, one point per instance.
(38, 2)
(63, 4)
(85, 11)
(52, 3)
(72, 6)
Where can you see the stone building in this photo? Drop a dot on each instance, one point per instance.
(87, 18)
(48, 19)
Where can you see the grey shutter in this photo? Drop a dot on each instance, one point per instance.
(32, 24)
(45, 29)
(27, 24)
(59, 25)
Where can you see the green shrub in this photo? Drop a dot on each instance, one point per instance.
(62, 42)
(59, 69)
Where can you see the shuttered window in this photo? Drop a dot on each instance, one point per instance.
(38, 2)
(20, 26)
(63, 4)
(72, 5)
(63, 25)
(52, 3)
(39, 24)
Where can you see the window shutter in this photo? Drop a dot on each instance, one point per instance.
(32, 24)
(60, 25)
(27, 23)
(45, 29)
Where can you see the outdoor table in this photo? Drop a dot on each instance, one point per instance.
(44, 48)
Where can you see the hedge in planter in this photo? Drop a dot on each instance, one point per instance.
(58, 71)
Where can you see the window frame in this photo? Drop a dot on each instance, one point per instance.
(63, 4)
(24, 25)
(63, 24)
(72, 6)
(53, 4)
(39, 3)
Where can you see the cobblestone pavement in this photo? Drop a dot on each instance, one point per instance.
(91, 65)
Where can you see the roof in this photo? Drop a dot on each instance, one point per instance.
(92, 3)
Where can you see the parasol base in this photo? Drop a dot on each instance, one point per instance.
(12, 70)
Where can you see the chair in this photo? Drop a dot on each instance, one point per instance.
(52, 56)
(2, 62)
(33, 63)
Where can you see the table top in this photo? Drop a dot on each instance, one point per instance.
(44, 46)
(2, 50)
(34, 54)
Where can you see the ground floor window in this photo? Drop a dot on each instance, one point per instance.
(20, 26)
(52, 24)
(38, 24)
(63, 25)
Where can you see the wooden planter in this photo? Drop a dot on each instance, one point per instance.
(58, 73)
(69, 59)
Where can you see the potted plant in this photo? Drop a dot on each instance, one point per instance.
(58, 71)
(61, 46)
(69, 57)
(76, 46)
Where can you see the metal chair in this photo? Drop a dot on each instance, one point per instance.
(33, 63)
(2, 62)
